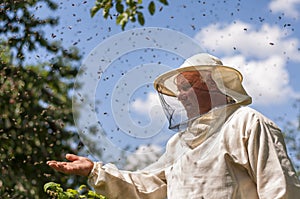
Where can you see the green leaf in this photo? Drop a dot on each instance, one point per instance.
(105, 13)
(122, 19)
(94, 10)
(132, 18)
(72, 192)
(64, 195)
(82, 187)
(119, 7)
(151, 8)
(51, 185)
(165, 2)
(141, 18)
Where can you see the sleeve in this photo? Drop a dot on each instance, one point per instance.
(108, 180)
(270, 166)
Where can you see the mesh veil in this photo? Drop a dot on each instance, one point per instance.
(226, 79)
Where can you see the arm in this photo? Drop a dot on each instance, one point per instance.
(270, 165)
(114, 183)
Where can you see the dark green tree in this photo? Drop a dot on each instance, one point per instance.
(35, 102)
(22, 30)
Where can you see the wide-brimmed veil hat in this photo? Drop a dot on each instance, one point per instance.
(227, 79)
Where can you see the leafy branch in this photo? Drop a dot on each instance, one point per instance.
(127, 11)
(55, 191)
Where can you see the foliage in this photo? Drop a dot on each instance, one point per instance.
(35, 102)
(35, 99)
(291, 131)
(127, 11)
(22, 29)
(54, 191)
(35, 111)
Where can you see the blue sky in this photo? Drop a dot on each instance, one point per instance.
(252, 36)
(260, 38)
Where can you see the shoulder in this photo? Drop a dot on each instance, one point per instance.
(173, 141)
(176, 145)
(246, 111)
(249, 115)
(246, 123)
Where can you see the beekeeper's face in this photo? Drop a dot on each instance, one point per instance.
(193, 93)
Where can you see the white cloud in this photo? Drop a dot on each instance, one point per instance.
(290, 8)
(260, 54)
(145, 106)
(143, 156)
(267, 81)
(151, 108)
(244, 38)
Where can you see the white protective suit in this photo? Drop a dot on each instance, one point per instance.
(230, 152)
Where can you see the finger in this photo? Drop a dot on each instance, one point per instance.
(56, 164)
(72, 157)
(61, 167)
(50, 162)
(53, 165)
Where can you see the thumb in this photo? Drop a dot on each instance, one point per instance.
(72, 157)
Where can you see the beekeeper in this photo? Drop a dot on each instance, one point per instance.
(223, 149)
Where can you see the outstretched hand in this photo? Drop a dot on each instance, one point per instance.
(78, 165)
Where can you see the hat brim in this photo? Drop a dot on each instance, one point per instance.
(160, 82)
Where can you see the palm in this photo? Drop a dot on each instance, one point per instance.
(77, 165)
